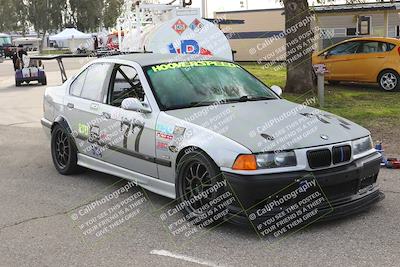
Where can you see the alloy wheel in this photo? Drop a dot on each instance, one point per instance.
(62, 148)
(196, 181)
(388, 81)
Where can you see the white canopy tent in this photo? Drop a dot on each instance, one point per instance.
(73, 39)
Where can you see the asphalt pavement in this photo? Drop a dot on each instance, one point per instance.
(37, 205)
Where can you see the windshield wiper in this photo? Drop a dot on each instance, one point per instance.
(201, 103)
(258, 98)
(246, 98)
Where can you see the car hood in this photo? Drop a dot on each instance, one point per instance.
(272, 125)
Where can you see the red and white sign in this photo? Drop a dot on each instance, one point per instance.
(175, 37)
(180, 26)
(165, 136)
(320, 69)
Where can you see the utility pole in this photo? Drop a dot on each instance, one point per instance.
(204, 8)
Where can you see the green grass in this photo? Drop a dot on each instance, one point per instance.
(55, 52)
(363, 104)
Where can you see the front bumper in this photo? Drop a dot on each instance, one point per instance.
(348, 189)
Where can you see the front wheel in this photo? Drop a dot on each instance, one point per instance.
(330, 82)
(200, 186)
(63, 151)
(389, 80)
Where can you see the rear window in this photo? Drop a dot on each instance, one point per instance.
(91, 82)
(5, 40)
(375, 47)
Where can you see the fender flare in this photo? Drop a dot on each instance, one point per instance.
(63, 122)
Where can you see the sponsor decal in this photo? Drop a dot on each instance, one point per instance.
(94, 135)
(162, 146)
(190, 64)
(196, 26)
(165, 136)
(179, 131)
(164, 129)
(83, 129)
(179, 27)
(173, 149)
(189, 47)
(97, 151)
(104, 136)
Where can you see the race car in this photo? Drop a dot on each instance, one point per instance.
(198, 129)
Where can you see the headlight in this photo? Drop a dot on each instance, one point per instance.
(276, 160)
(362, 145)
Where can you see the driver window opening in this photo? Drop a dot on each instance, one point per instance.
(125, 84)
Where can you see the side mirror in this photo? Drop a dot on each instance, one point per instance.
(326, 54)
(277, 90)
(134, 104)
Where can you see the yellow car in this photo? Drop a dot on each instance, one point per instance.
(370, 60)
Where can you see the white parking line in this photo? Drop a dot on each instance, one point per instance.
(166, 253)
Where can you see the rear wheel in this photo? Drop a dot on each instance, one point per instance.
(389, 80)
(44, 81)
(63, 151)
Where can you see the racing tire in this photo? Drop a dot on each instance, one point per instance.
(196, 174)
(389, 80)
(333, 82)
(44, 81)
(63, 151)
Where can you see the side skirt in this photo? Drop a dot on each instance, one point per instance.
(150, 183)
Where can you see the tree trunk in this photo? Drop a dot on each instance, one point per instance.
(299, 45)
(42, 43)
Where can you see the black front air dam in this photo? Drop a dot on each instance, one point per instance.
(349, 189)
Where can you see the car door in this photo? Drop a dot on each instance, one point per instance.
(130, 135)
(340, 60)
(83, 106)
(370, 58)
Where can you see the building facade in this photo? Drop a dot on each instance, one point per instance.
(261, 36)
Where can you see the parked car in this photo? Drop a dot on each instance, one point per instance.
(369, 60)
(29, 43)
(1, 55)
(143, 118)
(112, 41)
(6, 45)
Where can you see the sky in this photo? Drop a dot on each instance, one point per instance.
(225, 5)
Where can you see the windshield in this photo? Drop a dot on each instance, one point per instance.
(5, 40)
(200, 83)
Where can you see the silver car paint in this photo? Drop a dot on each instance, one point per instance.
(222, 147)
(254, 115)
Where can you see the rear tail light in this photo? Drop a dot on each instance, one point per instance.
(398, 50)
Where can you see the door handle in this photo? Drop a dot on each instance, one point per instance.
(107, 115)
(70, 105)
